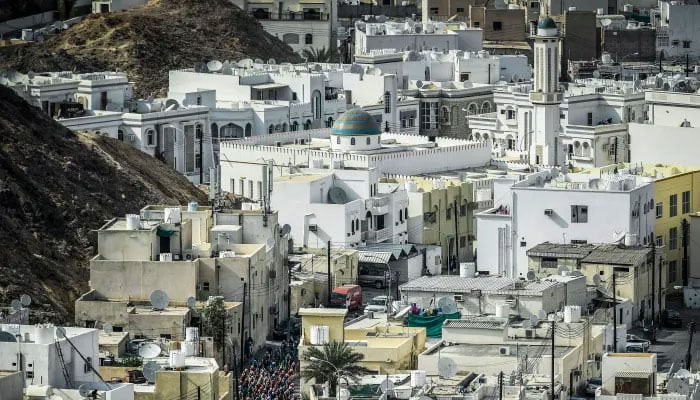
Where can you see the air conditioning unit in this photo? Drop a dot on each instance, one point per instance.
(313, 228)
(188, 255)
(504, 351)
(278, 144)
(548, 211)
(458, 297)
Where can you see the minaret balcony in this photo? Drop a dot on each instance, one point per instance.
(545, 98)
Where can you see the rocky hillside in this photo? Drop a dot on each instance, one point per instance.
(55, 187)
(149, 41)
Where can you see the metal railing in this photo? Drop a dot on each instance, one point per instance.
(289, 16)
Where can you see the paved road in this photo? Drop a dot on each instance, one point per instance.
(672, 344)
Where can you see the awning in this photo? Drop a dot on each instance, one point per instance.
(264, 86)
(375, 257)
(632, 374)
(164, 232)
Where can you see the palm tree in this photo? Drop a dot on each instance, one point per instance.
(331, 360)
(313, 54)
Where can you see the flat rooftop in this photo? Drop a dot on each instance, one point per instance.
(593, 253)
(532, 349)
(492, 284)
(336, 312)
(112, 339)
(119, 224)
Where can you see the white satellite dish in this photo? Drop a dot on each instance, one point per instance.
(386, 385)
(596, 279)
(191, 302)
(149, 350)
(159, 300)
(606, 21)
(31, 74)
(259, 61)
(541, 314)
(447, 368)
(448, 305)
(214, 66)
(16, 305)
(245, 63)
(107, 328)
(272, 61)
(530, 275)
(337, 195)
(562, 269)
(683, 374)
(596, 74)
(149, 371)
(171, 104)
(85, 391)
(25, 299)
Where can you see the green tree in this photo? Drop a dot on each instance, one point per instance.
(312, 54)
(339, 355)
(214, 321)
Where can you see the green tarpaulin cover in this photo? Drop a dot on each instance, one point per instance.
(164, 232)
(431, 323)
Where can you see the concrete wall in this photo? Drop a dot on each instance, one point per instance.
(12, 386)
(136, 280)
(656, 144)
(499, 24)
(618, 362)
(624, 42)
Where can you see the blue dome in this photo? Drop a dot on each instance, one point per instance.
(547, 23)
(355, 122)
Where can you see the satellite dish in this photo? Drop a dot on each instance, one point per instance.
(171, 104)
(530, 275)
(16, 305)
(527, 324)
(159, 300)
(448, 305)
(606, 21)
(541, 314)
(107, 328)
(85, 391)
(245, 63)
(447, 368)
(272, 61)
(386, 385)
(596, 279)
(419, 84)
(149, 350)
(285, 229)
(149, 371)
(25, 299)
(31, 74)
(337, 195)
(60, 332)
(191, 302)
(534, 320)
(214, 65)
(356, 69)
(259, 61)
(7, 337)
(683, 374)
(596, 74)
(562, 269)
(318, 68)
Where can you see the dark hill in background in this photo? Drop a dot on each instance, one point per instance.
(55, 187)
(148, 41)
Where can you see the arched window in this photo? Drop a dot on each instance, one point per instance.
(368, 140)
(307, 124)
(400, 215)
(284, 127)
(278, 128)
(329, 122)
(215, 130)
(316, 104)
(271, 129)
(486, 107)
(150, 137)
(120, 135)
(387, 103)
(352, 141)
(308, 39)
(473, 109)
(445, 115)
(198, 131)
(337, 140)
(295, 126)
(405, 213)
(357, 224)
(248, 130)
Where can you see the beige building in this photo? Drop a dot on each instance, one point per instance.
(499, 24)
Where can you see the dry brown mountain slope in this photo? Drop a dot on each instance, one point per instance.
(55, 187)
(149, 41)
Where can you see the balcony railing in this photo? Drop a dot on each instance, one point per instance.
(376, 236)
(289, 16)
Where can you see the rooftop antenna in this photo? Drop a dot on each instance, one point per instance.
(159, 299)
(285, 229)
(149, 371)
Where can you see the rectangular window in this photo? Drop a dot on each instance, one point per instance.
(673, 238)
(673, 205)
(205, 286)
(659, 241)
(460, 9)
(462, 241)
(476, 24)
(463, 210)
(659, 210)
(449, 213)
(464, 76)
(686, 202)
(686, 44)
(549, 262)
(497, 25)
(672, 271)
(166, 336)
(198, 161)
(434, 10)
(590, 119)
(579, 214)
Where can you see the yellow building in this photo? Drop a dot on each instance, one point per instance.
(385, 348)
(441, 212)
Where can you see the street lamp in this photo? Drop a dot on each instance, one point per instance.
(337, 374)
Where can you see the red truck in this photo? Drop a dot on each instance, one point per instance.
(349, 296)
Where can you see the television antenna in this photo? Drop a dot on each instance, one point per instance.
(447, 368)
(149, 350)
(448, 305)
(159, 299)
(149, 371)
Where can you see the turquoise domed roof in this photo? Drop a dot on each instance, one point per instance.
(355, 122)
(547, 23)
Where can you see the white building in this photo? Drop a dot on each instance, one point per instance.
(584, 126)
(411, 35)
(549, 206)
(297, 23)
(677, 30)
(49, 359)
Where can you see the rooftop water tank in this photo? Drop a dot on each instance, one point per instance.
(467, 270)
(172, 215)
(44, 334)
(166, 256)
(192, 206)
(411, 186)
(133, 222)
(177, 359)
(572, 314)
(418, 378)
(502, 310)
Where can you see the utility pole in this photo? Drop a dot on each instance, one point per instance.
(243, 328)
(456, 236)
(199, 393)
(500, 385)
(685, 229)
(614, 312)
(653, 290)
(329, 273)
(687, 64)
(201, 156)
(223, 340)
(553, 327)
(689, 355)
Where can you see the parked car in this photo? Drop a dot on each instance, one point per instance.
(349, 296)
(635, 348)
(376, 275)
(671, 318)
(378, 304)
(635, 340)
(592, 385)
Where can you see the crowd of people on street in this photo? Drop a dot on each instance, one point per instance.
(271, 376)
